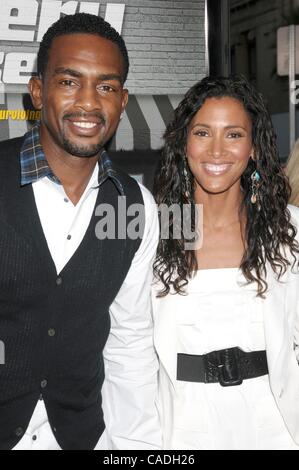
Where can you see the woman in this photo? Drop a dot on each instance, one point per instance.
(292, 171)
(227, 314)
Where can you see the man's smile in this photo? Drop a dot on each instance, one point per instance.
(85, 127)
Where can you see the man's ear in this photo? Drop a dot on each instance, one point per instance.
(125, 97)
(35, 90)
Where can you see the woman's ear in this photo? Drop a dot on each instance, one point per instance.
(35, 90)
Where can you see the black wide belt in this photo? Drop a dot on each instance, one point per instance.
(226, 366)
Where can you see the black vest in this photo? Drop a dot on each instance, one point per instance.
(55, 327)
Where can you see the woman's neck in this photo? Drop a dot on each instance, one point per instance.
(220, 210)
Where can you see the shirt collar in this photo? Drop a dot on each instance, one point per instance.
(106, 171)
(34, 165)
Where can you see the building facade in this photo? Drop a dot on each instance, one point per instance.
(253, 41)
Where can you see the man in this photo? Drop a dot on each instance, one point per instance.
(64, 290)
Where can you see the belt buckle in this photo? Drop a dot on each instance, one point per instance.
(228, 369)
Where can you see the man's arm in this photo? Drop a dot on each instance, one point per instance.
(130, 386)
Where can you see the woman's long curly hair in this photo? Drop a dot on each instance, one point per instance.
(268, 231)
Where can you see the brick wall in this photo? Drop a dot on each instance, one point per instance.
(166, 43)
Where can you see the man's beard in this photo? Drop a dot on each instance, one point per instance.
(82, 150)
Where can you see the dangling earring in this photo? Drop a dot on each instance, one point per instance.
(255, 185)
(186, 183)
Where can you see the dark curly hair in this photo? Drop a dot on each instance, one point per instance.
(268, 228)
(80, 23)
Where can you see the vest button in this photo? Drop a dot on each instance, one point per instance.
(43, 383)
(51, 332)
(59, 281)
(69, 237)
(19, 431)
(34, 437)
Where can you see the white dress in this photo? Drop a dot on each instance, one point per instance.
(219, 313)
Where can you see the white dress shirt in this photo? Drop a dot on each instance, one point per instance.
(129, 389)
